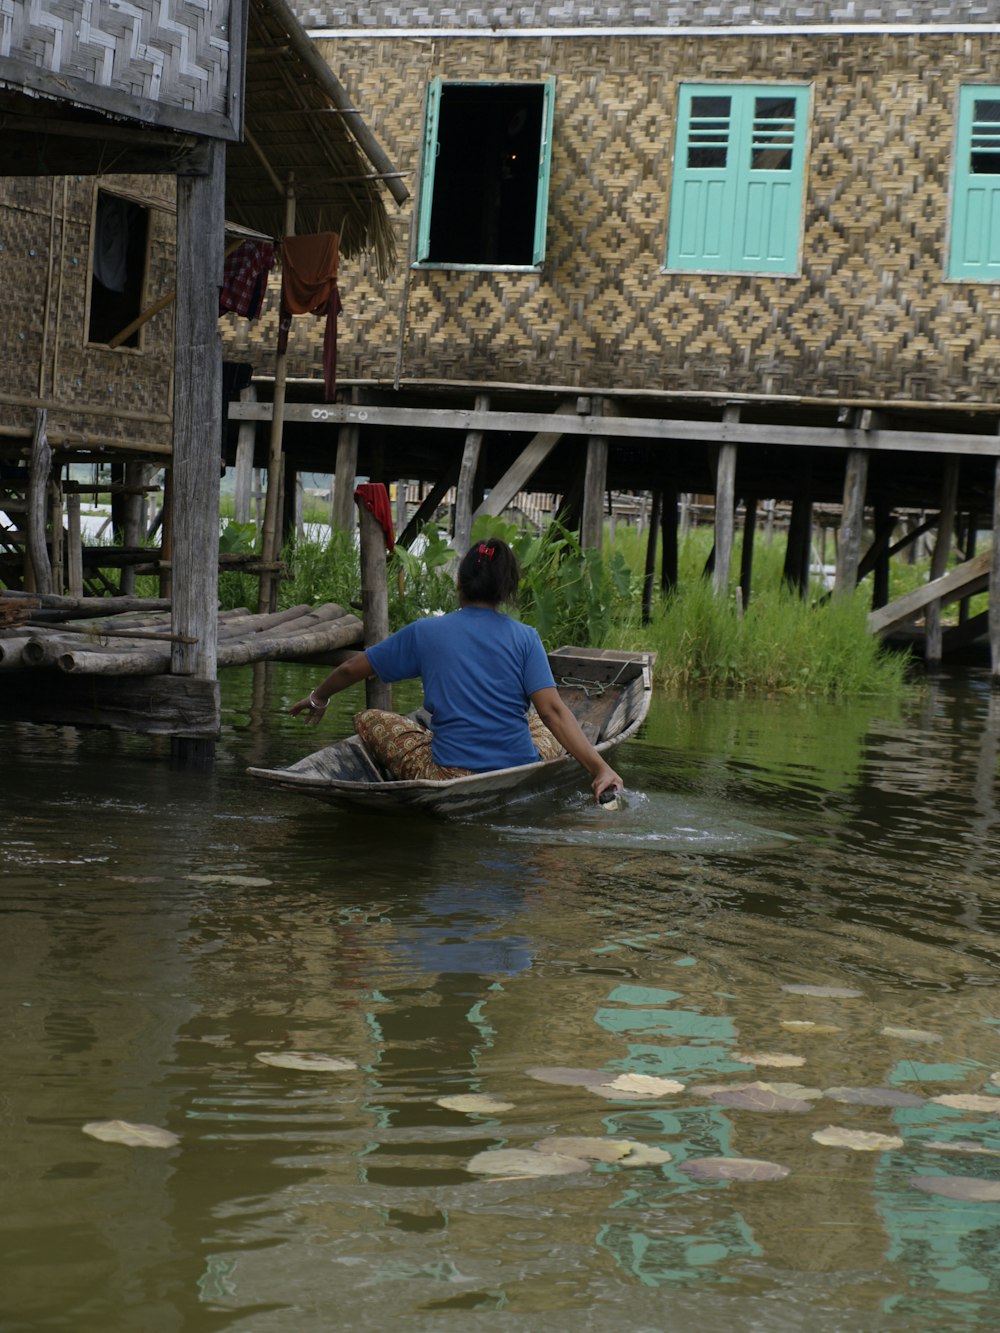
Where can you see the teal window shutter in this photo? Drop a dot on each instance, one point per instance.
(975, 218)
(544, 170)
(427, 169)
(739, 170)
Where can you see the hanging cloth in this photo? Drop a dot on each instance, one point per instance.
(309, 287)
(244, 278)
(375, 498)
(111, 236)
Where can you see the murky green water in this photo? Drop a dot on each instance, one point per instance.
(161, 930)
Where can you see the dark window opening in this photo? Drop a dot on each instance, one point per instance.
(118, 268)
(486, 175)
(708, 137)
(985, 155)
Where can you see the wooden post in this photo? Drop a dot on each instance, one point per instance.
(852, 522)
(595, 480)
(746, 555)
(651, 545)
(133, 520)
(883, 537)
(669, 521)
(167, 536)
(197, 409)
(725, 509)
(968, 551)
(465, 501)
(74, 546)
(796, 570)
(271, 543)
(939, 560)
(374, 598)
(342, 508)
(244, 461)
(37, 514)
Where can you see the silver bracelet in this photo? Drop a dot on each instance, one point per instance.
(319, 707)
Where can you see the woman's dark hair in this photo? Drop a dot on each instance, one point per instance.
(489, 572)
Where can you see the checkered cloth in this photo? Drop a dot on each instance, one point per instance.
(244, 279)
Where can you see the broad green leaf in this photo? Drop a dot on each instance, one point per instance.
(133, 1136)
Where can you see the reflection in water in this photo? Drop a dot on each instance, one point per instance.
(161, 929)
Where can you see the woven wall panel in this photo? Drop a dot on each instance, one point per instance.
(870, 315)
(52, 358)
(174, 52)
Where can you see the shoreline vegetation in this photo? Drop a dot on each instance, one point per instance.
(780, 644)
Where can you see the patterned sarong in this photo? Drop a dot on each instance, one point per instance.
(404, 746)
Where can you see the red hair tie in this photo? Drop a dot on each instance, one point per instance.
(487, 551)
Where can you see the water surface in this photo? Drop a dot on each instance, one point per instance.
(161, 929)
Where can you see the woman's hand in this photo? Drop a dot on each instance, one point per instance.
(604, 779)
(312, 706)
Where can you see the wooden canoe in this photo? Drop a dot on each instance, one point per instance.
(608, 692)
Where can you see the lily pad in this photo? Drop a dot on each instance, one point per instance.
(911, 1034)
(320, 1064)
(967, 1188)
(809, 1029)
(962, 1146)
(968, 1101)
(825, 992)
(474, 1103)
(874, 1097)
(861, 1140)
(133, 1136)
(646, 1084)
(571, 1078)
(591, 1150)
(755, 1097)
(524, 1162)
(773, 1059)
(797, 1090)
(733, 1168)
(640, 1154)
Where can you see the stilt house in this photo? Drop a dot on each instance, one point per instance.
(745, 250)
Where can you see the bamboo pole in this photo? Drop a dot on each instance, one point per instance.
(464, 497)
(939, 560)
(374, 598)
(271, 540)
(38, 489)
(852, 521)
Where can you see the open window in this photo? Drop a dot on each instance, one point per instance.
(739, 169)
(485, 181)
(118, 268)
(975, 201)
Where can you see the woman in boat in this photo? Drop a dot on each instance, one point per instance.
(481, 670)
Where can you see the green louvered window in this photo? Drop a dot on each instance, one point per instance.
(739, 168)
(975, 216)
(485, 182)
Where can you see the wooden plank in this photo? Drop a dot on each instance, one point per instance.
(182, 706)
(345, 471)
(962, 581)
(467, 480)
(725, 510)
(374, 598)
(565, 422)
(595, 484)
(36, 518)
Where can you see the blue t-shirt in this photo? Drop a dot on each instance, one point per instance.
(479, 669)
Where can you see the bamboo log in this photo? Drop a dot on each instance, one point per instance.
(87, 606)
(11, 652)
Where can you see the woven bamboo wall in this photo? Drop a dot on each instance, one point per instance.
(870, 317)
(44, 354)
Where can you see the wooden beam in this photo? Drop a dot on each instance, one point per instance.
(524, 466)
(962, 581)
(649, 572)
(464, 499)
(36, 518)
(566, 422)
(345, 471)
(746, 555)
(429, 503)
(725, 507)
(374, 598)
(595, 485)
(176, 706)
(995, 585)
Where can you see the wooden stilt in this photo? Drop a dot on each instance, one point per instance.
(884, 526)
(595, 482)
(651, 544)
(74, 547)
(37, 514)
(348, 440)
(465, 489)
(746, 555)
(968, 551)
(374, 598)
(133, 521)
(271, 539)
(669, 521)
(994, 609)
(852, 522)
(939, 560)
(197, 405)
(796, 570)
(244, 461)
(725, 510)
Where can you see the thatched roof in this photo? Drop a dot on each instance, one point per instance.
(300, 127)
